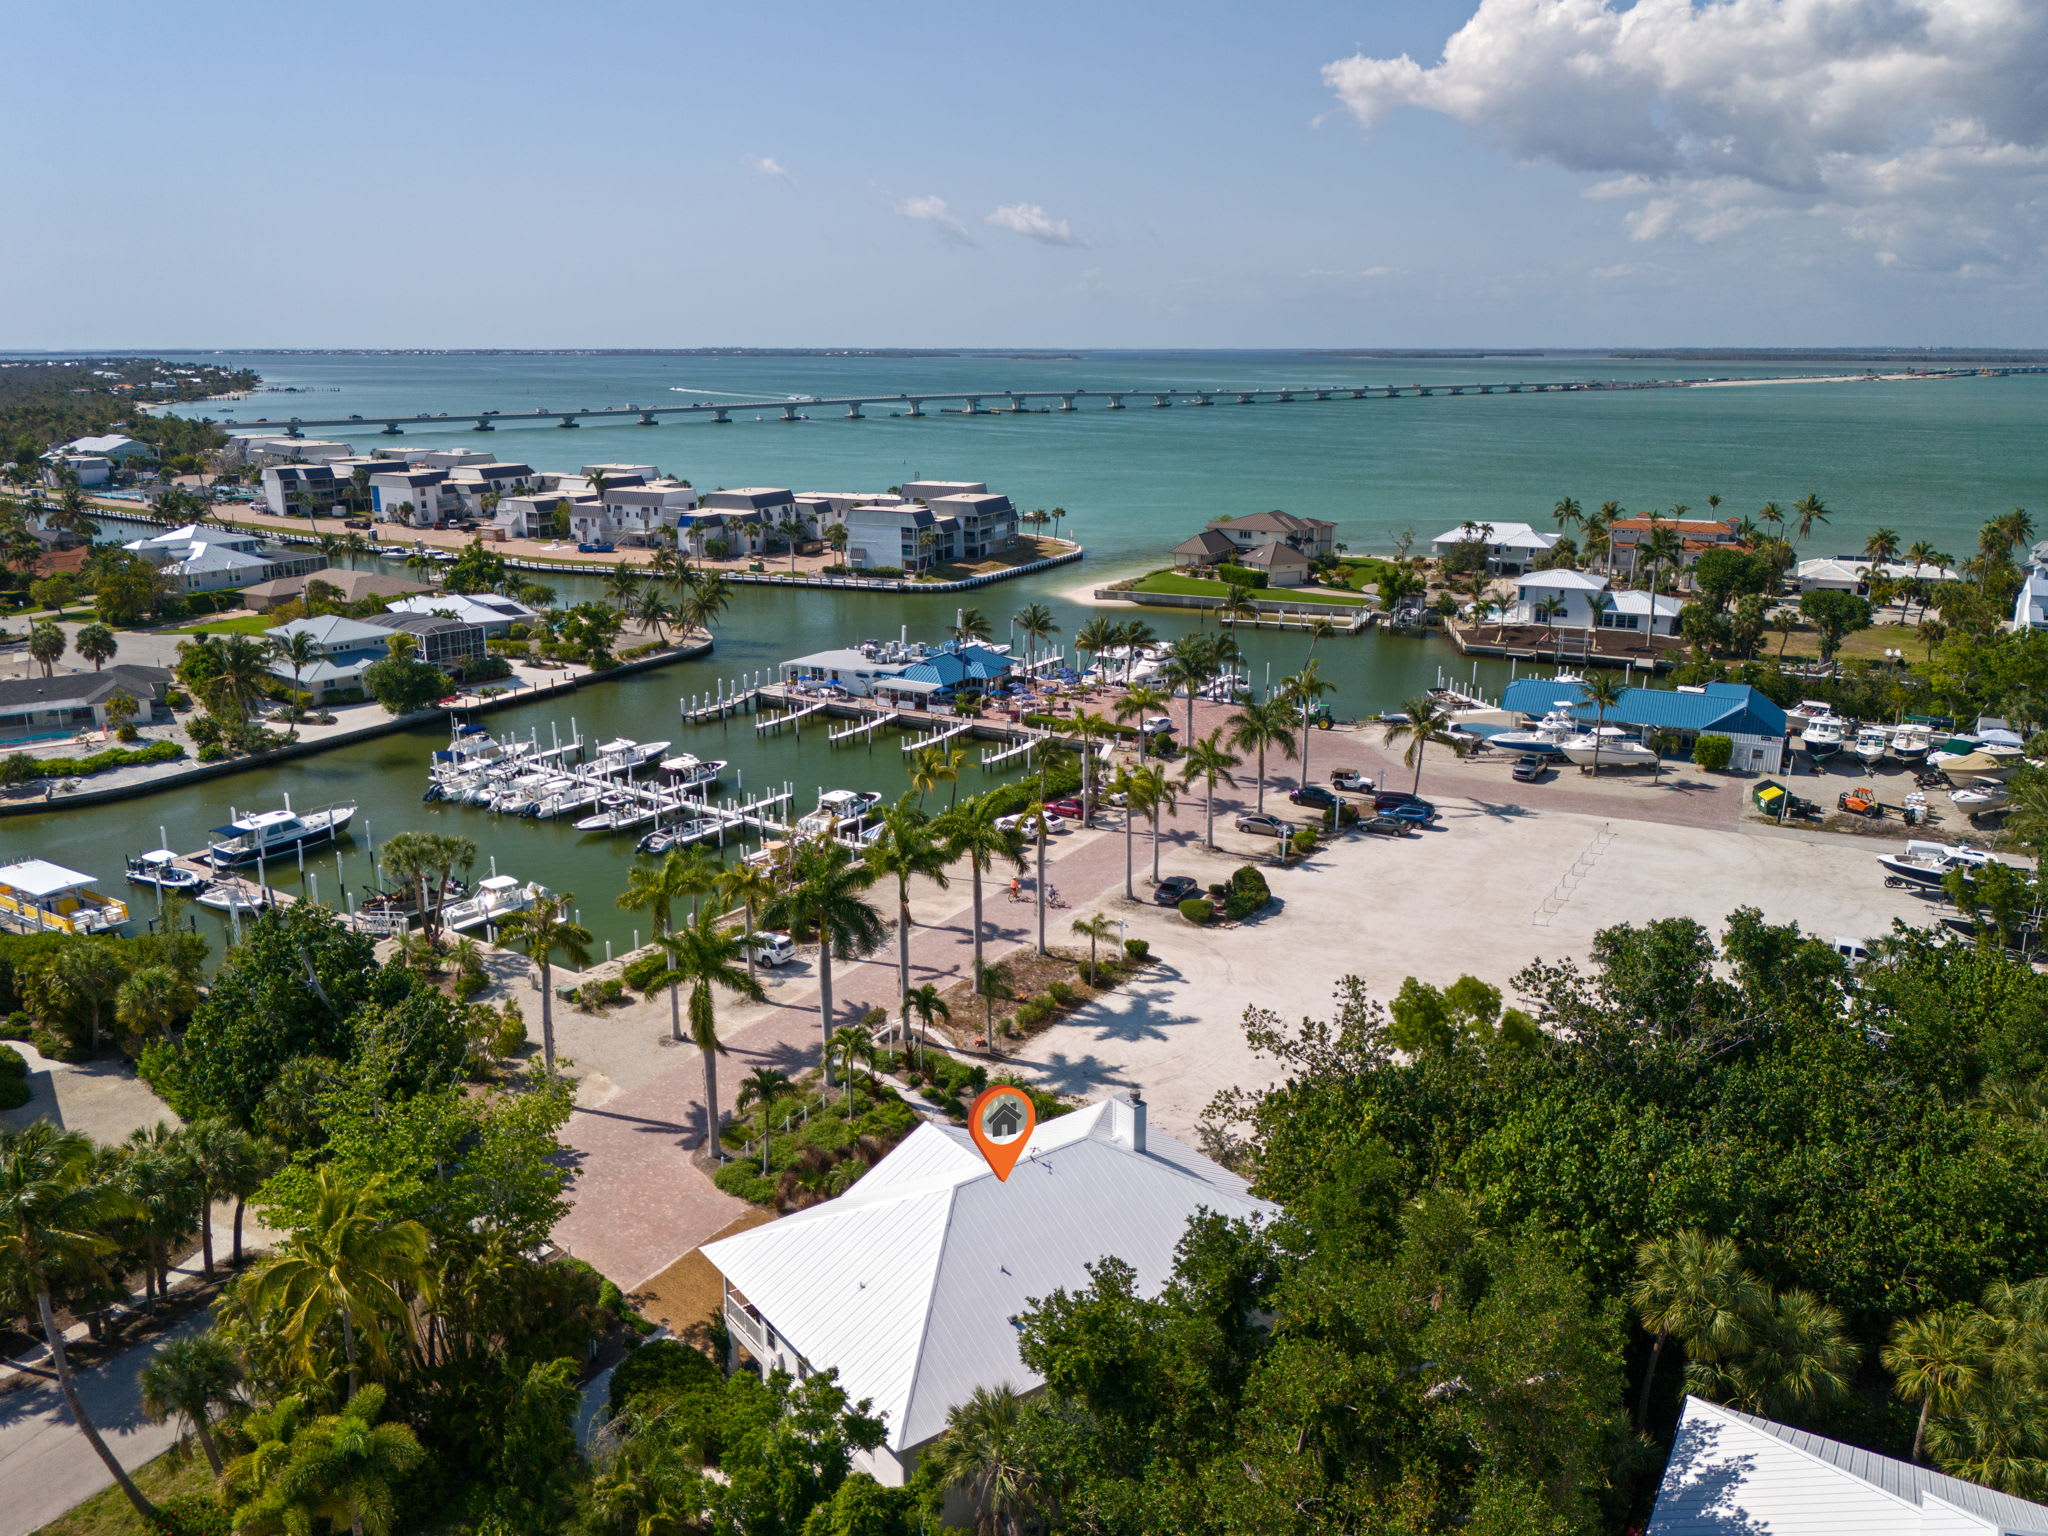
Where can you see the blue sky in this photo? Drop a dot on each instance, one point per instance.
(1569, 172)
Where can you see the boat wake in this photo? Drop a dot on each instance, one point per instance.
(730, 394)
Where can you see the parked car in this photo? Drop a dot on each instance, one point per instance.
(1156, 725)
(1351, 781)
(1530, 767)
(1026, 822)
(1071, 809)
(1384, 826)
(770, 949)
(1315, 795)
(1259, 824)
(1175, 889)
(1416, 813)
(357, 522)
(1387, 799)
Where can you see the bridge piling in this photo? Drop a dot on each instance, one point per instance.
(647, 419)
(391, 429)
(569, 421)
(483, 425)
(916, 408)
(720, 416)
(1066, 402)
(853, 412)
(1160, 402)
(789, 413)
(1116, 403)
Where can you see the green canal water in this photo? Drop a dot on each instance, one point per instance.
(1930, 460)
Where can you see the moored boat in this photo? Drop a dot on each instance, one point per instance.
(273, 834)
(497, 897)
(839, 809)
(160, 868)
(37, 896)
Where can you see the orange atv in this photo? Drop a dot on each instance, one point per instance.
(1860, 801)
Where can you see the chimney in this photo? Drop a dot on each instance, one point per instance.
(1137, 1121)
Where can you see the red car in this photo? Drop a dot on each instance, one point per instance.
(1071, 809)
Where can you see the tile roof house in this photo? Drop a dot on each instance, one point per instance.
(1208, 547)
(354, 586)
(1311, 535)
(1284, 565)
(1734, 1474)
(909, 1284)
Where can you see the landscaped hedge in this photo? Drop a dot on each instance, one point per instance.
(1241, 576)
(1246, 893)
(1063, 778)
(1713, 752)
(1196, 909)
(20, 768)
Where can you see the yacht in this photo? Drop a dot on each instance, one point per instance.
(1923, 864)
(497, 897)
(1610, 746)
(273, 834)
(837, 809)
(1822, 737)
(1910, 743)
(1871, 743)
(160, 868)
(1547, 735)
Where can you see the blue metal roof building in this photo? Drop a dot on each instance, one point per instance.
(1736, 710)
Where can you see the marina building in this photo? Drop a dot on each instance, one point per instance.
(1748, 718)
(904, 672)
(1511, 548)
(1580, 600)
(909, 1284)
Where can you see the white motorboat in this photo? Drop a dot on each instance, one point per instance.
(497, 897)
(1871, 743)
(681, 835)
(1822, 737)
(232, 898)
(159, 867)
(839, 809)
(1922, 863)
(688, 770)
(1910, 743)
(1610, 746)
(40, 897)
(1547, 735)
(574, 795)
(274, 834)
(1980, 794)
(625, 755)
(1807, 709)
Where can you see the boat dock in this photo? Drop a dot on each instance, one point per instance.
(790, 717)
(937, 738)
(863, 727)
(730, 697)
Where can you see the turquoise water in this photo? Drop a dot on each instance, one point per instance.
(1930, 460)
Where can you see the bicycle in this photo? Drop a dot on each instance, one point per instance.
(1053, 898)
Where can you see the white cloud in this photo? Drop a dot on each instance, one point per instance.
(1032, 222)
(1384, 272)
(933, 211)
(767, 165)
(1619, 269)
(1915, 127)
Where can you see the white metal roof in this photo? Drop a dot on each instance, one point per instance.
(1643, 602)
(1510, 535)
(1732, 1472)
(39, 877)
(909, 1284)
(1564, 581)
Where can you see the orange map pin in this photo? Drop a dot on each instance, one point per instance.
(1000, 1120)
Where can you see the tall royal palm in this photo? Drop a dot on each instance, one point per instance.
(1139, 703)
(1036, 624)
(1089, 728)
(1424, 722)
(907, 850)
(1603, 692)
(680, 876)
(1256, 727)
(749, 888)
(55, 1208)
(1095, 637)
(826, 900)
(544, 933)
(349, 1266)
(1209, 763)
(1806, 511)
(705, 956)
(971, 833)
(1304, 692)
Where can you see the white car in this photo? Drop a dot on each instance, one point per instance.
(1156, 725)
(1022, 822)
(770, 949)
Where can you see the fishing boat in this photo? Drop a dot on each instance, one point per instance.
(573, 796)
(1980, 794)
(1910, 743)
(233, 896)
(626, 755)
(689, 771)
(681, 835)
(839, 809)
(1923, 864)
(1806, 710)
(1610, 746)
(1822, 737)
(1547, 735)
(497, 897)
(37, 896)
(273, 834)
(160, 868)
(1871, 744)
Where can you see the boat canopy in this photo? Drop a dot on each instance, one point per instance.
(156, 856)
(497, 883)
(41, 878)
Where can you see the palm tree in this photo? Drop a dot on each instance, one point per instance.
(1236, 604)
(621, 585)
(1035, 623)
(703, 954)
(1808, 510)
(992, 986)
(245, 667)
(1882, 547)
(1094, 929)
(56, 1204)
(1152, 794)
(680, 876)
(1089, 728)
(825, 900)
(1800, 1357)
(217, 1153)
(96, 643)
(349, 1264)
(970, 832)
(1209, 761)
(1691, 1286)
(155, 1170)
(301, 653)
(791, 529)
(427, 861)
(1603, 692)
(46, 644)
(1095, 637)
(245, 1167)
(343, 1468)
(1939, 1360)
(982, 1456)
(1136, 704)
(1302, 691)
(1424, 722)
(1786, 624)
(1255, 727)
(928, 1005)
(1549, 611)
(541, 933)
(1186, 670)
(907, 850)
(152, 999)
(188, 1378)
(850, 1047)
(748, 888)
(763, 1086)
(1569, 514)
(652, 611)
(971, 624)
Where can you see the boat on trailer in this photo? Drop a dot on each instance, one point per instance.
(1923, 863)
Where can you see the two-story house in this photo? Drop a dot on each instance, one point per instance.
(1511, 548)
(347, 647)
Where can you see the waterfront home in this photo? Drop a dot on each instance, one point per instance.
(353, 587)
(1734, 1474)
(441, 458)
(933, 490)
(112, 445)
(768, 504)
(1206, 548)
(61, 705)
(446, 643)
(1628, 537)
(631, 513)
(492, 612)
(986, 522)
(1847, 573)
(909, 1284)
(2030, 608)
(85, 470)
(416, 498)
(1283, 564)
(1310, 535)
(532, 516)
(200, 558)
(1748, 718)
(899, 534)
(304, 489)
(1511, 548)
(1589, 603)
(908, 673)
(348, 648)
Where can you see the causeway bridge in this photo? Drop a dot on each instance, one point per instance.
(1005, 402)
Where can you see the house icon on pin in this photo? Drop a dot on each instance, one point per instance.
(1006, 1119)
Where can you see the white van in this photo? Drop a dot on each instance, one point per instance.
(769, 949)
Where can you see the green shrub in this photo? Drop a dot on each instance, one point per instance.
(1712, 752)
(1196, 909)
(20, 768)
(1033, 1010)
(1304, 840)
(1062, 994)
(12, 1063)
(14, 1092)
(667, 1368)
(636, 652)
(1138, 949)
(177, 698)
(1240, 576)
(55, 1047)
(192, 1514)
(16, 1026)
(1248, 893)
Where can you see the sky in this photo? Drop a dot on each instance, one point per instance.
(1383, 173)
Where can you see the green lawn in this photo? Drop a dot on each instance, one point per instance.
(1195, 586)
(247, 624)
(108, 1512)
